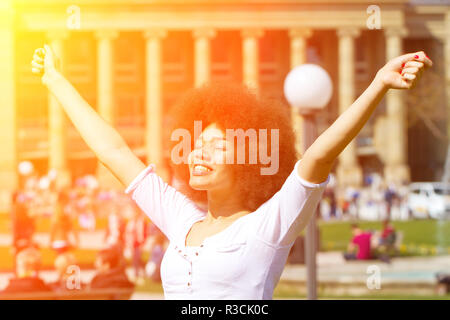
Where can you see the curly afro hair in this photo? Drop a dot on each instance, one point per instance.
(233, 106)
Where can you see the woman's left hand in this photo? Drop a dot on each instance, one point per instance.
(404, 71)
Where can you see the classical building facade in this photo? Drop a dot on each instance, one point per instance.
(132, 59)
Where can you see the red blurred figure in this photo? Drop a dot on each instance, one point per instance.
(360, 243)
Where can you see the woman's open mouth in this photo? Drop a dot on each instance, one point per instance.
(201, 170)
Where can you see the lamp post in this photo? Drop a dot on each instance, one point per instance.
(308, 89)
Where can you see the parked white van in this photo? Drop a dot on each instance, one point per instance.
(429, 200)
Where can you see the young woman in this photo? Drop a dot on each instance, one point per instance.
(237, 248)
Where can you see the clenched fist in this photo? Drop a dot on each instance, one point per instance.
(404, 71)
(44, 63)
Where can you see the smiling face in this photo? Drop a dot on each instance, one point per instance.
(207, 162)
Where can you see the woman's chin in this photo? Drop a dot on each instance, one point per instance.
(199, 183)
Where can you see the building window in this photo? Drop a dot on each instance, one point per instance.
(177, 66)
(274, 60)
(129, 79)
(226, 57)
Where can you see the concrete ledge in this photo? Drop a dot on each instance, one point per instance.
(355, 288)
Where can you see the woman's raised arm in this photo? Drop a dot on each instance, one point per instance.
(108, 146)
(400, 73)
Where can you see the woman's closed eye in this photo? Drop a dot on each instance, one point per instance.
(215, 144)
(220, 145)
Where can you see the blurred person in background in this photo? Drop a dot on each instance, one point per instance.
(63, 235)
(403, 194)
(23, 225)
(110, 270)
(135, 236)
(389, 198)
(385, 241)
(387, 233)
(84, 202)
(46, 198)
(328, 205)
(443, 280)
(115, 230)
(28, 262)
(341, 204)
(62, 264)
(360, 246)
(158, 245)
(354, 205)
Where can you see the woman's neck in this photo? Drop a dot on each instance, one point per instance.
(224, 206)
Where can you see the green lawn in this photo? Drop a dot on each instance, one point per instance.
(419, 236)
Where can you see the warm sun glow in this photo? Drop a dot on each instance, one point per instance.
(338, 117)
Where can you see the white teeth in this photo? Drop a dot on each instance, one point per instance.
(201, 168)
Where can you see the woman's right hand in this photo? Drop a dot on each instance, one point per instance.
(44, 63)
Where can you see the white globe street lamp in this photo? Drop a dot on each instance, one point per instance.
(308, 88)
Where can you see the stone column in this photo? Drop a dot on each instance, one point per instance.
(250, 58)
(105, 94)
(348, 172)
(396, 167)
(57, 122)
(202, 53)
(8, 127)
(298, 39)
(153, 101)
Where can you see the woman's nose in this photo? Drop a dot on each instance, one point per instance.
(202, 154)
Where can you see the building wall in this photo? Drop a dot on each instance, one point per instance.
(180, 25)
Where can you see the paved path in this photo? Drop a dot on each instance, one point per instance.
(86, 276)
(147, 296)
(332, 267)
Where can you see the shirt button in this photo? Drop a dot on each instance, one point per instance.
(196, 253)
(201, 246)
(189, 284)
(189, 273)
(179, 251)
